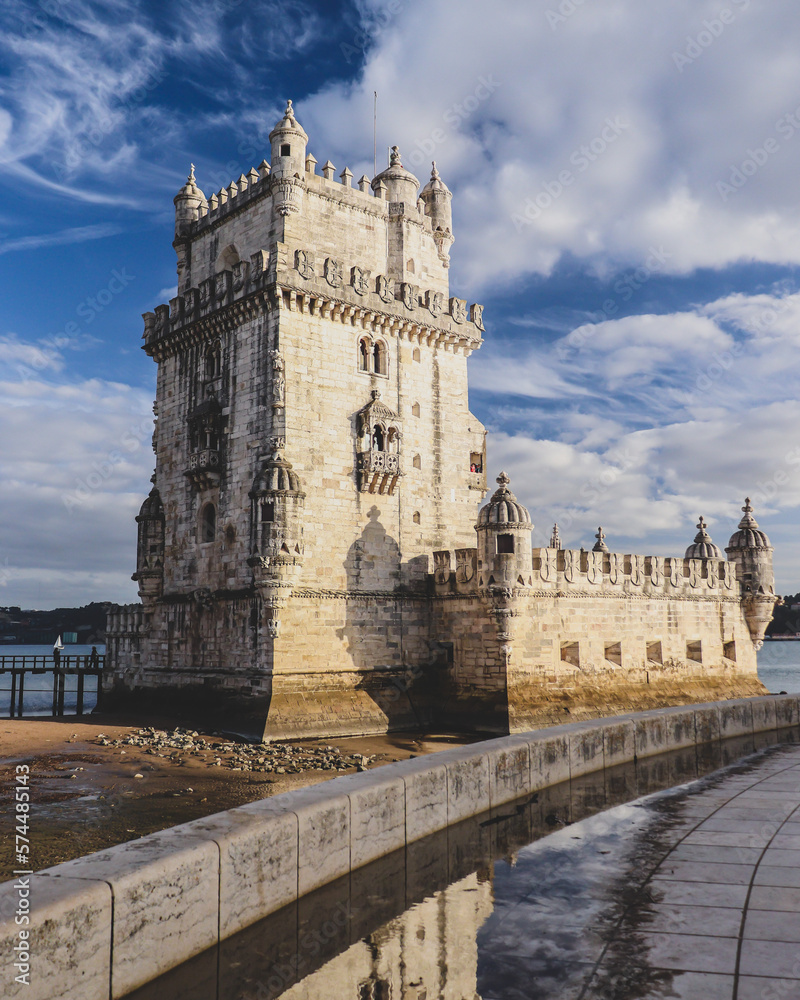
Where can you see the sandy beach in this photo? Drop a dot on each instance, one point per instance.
(86, 795)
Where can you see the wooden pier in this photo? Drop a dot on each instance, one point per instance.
(20, 666)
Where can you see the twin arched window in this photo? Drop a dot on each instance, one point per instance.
(212, 361)
(373, 357)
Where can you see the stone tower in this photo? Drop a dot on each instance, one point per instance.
(313, 446)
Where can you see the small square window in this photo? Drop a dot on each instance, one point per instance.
(505, 543)
(286, 149)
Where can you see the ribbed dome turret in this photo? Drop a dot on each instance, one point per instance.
(435, 184)
(190, 188)
(702, 547)
(188, 202)
(276, 476)
(504, 508)
(749, 535)
(401, 184)
(152, 507)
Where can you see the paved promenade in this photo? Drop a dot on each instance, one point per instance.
(721, 911)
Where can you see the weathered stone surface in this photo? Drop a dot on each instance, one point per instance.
(69, 938)
(468, 784)
(509, 770)
(257, 860)
(323, 831)
(166, 901)
(426, 798)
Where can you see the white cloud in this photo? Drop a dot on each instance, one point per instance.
(74, 469)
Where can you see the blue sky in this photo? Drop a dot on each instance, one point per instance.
(625, 205)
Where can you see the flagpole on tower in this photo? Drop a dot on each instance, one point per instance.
(375, 134)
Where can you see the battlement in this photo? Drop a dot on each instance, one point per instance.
(563, 572)
(296, 279)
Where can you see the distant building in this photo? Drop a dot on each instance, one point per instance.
(308, 559)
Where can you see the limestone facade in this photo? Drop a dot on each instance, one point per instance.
(308, 559)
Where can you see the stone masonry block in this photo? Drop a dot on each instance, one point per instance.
(323, 830)
(377, 817)
(585, 749)
(509, 770)
(619, 741)
(468, 783)
(549, 750)
(69, 938)
(426, 798)
(787, 710)
(166, 902)
(257, 859)
(764, 716)
(664, 729)
(735, 719)
(706, 724)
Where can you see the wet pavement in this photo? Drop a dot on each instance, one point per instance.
(600, 889)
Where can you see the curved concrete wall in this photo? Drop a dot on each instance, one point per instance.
(107, 923)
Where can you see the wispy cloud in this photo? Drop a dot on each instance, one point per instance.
(78, 234)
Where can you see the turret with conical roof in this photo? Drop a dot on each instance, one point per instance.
(504, 540)
(702, 547)
(750, 551)
(288, 141)
(437, 199)
(188, 202)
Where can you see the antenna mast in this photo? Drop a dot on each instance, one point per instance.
(375, 134)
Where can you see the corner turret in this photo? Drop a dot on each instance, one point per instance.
(750, 551)
(401, 184)
(504, 540)
(288, 141)
(188, 202)
(437, 198)
(150, 548)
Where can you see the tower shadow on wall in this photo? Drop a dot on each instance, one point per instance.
(380, 606)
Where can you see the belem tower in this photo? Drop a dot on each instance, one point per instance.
(313, 557)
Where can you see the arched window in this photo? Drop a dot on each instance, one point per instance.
(377, 439)
(393, 441)
(417, 518)
(380, 365)
(213, 361)
(208, 523)
(227, 258)
(415, 410)
(363, 355)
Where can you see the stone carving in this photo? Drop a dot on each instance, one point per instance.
(594, 567)
(729, 578)
(241, 271)
(304, 262)
(162, 320)
(712, 567)
(359, 279)
(549, 565)
(385, 288)
(458, 310)
(259, 265)
(206, 289)
(334, 273)
(222, 287)
(637, 570)
(616, 568)
(191, 302)
(466, 565)
(409, 294)
(476, 315)
(441, 567)
(273, 627)
(278, 379)
(435, 302)
(675, 572)
(694, 572)
(277, 443)
(572, 565)
(657, 570)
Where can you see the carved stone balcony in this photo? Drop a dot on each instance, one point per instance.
(204, 468)
(378, 471)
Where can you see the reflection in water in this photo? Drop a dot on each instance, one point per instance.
(519, 904)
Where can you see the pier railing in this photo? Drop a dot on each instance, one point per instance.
(17, 667)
